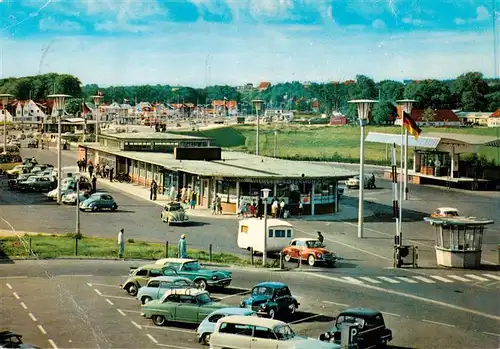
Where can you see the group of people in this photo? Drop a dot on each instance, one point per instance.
(256, 209)
(186, 196)
(103, 171)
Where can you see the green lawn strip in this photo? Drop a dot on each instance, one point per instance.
(58, 246)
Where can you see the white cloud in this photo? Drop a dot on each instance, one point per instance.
(414, 21)
(276, 9)
(112, 26)
(379, 24)
(460, 21)
(51, 24)
(482, 14)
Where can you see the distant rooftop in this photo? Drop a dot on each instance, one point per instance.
(151, 136)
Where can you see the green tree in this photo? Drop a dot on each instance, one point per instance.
(218, 92)
(471, 90)
(73, 106)
(391, 90)
(430, 94)
(493, 101)
(382, 111)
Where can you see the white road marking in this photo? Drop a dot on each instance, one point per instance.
(173, 346)
(54, 346)
(235, 295)
(13, 277)
(119, 297)
(424, 279)
(405, 279)
(389, 280)
(459, 278)
(16, 295)
(32, 317)
(89, 284)
(366, 278)
(121, 312)
(305, 319)
(111, 303)
(339, 304)
(391, 314)
(70, 275)
(42, 329)
(168, 329)
(472, 276)
(152, 338)
(24, 306)
(495, 277)
(440, 278)
(136, 325)
(438, 323)
(130, 311)
(97, 291)
(105, 285)
(351, 280)
(492, 334)
(413, 296)
(9, 286)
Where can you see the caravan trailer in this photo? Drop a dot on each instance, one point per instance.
(251, 234)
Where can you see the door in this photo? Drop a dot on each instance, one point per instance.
(294, 250)
(233, 336)
(187, 309)
(283, 300)
(264, 338)
(142, 277)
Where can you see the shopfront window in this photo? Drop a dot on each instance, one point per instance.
(227, 191)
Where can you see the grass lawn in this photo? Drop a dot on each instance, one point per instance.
(325, 143)
(53, 246)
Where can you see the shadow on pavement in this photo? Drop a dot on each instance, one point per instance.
(195, 224)
(232, 291)
(383, 214)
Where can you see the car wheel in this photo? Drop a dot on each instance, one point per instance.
(94, 208)
(311, 260)
(159, 320)
(132, 290)
(146, 299)
(205, 339)
(287, 257)
(292, 308)
(271, 314)
(114, 207)
(201, 284)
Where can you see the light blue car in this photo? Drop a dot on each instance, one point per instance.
(98, 202)
(207, 326)
(157, 286)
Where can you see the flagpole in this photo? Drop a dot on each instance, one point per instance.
(395, 205)
(401, 163)
(405, 189)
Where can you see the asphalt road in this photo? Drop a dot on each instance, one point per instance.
(79, 305)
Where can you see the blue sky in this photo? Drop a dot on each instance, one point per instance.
(199, 42)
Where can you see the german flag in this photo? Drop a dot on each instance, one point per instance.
(410, 125)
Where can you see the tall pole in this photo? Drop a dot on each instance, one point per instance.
(257, 146)
(275, 143)
(97, 127)
(362, 123)
(59, 154)
(4, 128)
(77, 227)
(401, 184)
(405, 189)
(264, 254)
(394, 168)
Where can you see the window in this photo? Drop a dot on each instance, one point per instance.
(203, 298)
(154, 283)
(284, 292)
(185, 299)
(242, 330)
(293, 243)
(244, 229)
(191, 266)
(289, 233)
(284, 332)
(271, 233)
(279, 233)
(215, 318)
(180, 284)
(263, 332)
(155, 272)
(173, 298)
(169, 271)
(142, 272)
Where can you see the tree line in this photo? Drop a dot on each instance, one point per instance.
(468, 92)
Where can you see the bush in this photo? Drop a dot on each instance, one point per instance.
(130, 241)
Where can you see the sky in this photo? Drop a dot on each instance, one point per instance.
(207, 42)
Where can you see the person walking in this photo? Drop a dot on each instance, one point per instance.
(121, 243)
(219, 205)
(182, 247)
(111, 170)
(193, 200)
(91, 169)
(79, 163)
(94, 184)
(301, 208)
(282, 209)
(214, 205)
(153, 190)
(321, 238)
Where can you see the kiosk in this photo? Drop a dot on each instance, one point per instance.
(459, 240)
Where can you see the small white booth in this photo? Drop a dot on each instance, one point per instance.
(459, 240)
(251, 234)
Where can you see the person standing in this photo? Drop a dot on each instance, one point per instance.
(219, 205)
(321, 238)
(274, 208)
(94, 184)
(282, 209)
(193, 200)
(153, 190)
(301, 208)
(182, 247)
(91, 169)
(214, 205)
(111, 170)
(121, 244)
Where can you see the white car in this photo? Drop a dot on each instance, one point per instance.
(354, 182)
(70, 197)
(255, 332)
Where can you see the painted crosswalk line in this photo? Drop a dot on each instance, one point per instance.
(424, 279)
(495, 277)
(389, 280)
(440, 278)
(459, 278)
(406, 279)
(351, 279)
(476, 277)
(370, 280)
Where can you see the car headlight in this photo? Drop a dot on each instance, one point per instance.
(319, 255)
(263, 306)
(327, 335)
(214, 277)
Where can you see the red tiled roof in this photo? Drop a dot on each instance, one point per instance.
(221, 103)
(496, 114)
(441, 115)
(263, 85)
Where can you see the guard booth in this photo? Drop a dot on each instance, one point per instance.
(459, 240)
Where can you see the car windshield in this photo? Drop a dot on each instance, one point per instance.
(173, 208)
(262, 291)
(284, 333)
(191, 266)
(31, 179)
(350, 320)
(204, 298)
(451, 213)
(314, 244)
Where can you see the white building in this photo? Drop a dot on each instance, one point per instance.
(9, 115)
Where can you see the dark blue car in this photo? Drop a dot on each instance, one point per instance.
(271, 299)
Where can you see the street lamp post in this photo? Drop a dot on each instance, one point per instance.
(97, 101)
(275, 143)
(364, 107)
(4, 99)
(265, 195)
(258, 105)
(77, 227)
(59, 106)
(407, 105)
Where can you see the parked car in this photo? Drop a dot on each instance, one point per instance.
(139, 277)
(70, 197)
(13, 183)
(181, 305)
(16, 171)
(207, 326)
(372, 331)
(173, 213)
(354, 182)
(68, 185)
(310, 250)
(271, 299)
(445, 212)
(254, 332)
(36, 183)
(38, 169)
(202, 277)
(157, 286)
(98, 202)
(10, 339)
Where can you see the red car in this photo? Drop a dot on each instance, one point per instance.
(310, 250)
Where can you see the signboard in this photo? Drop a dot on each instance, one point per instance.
(278, 181)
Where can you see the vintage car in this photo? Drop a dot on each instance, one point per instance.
(445, 212)
(354, 182)
(13, 183)
(157, 286)
(310, 250)
(139, 277)
(254, 332)
(16, 171)
(173, 213)
(36, 183)
(70, 197)
(271, 299)
(192, 269)
(207, 326)
(98, 202)
(68, 185)
(181, 305)
(371, 333)
(10, 339)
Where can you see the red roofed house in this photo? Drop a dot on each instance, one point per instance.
(441, 117)
(264, 85)
(220, 107)
(494, 119)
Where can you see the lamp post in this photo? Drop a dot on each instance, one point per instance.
(258, 105)
(265, 195)
(407, 105)
(77, 227)
(364, 106)
(4, 99)
(275, 143)
(59, 106)
(97, 101)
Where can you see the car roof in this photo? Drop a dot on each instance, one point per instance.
(447, 209)
(185, 291)
(174, 260)
(150, 266)
(168, 278)
(271, 284)
(8, 334)
(360, 312)
(233, 311)
(305, 239)
(253, 321)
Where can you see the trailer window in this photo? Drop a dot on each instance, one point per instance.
(244, 229)
(270, 233)
(288, 233)
(279, 233)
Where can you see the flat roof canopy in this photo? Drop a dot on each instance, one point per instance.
(152, 136)
(236, 165)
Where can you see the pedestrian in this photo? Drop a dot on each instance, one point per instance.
(153, 190)
(241, 207)
(219, 205)
(274, 208)
(301, 208)
(172, 195)
(193, 200)
(84, 164)
(252, 209)
(282, 208)
(106, 171)
(320, 237)
(121, 243)
(182, 247)
(111, 174)
(79, 163)
(91, 169)
(214, 205)
(94, 184)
